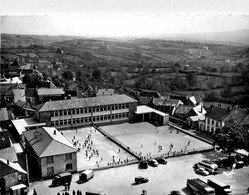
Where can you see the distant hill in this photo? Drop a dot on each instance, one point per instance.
(238, 37)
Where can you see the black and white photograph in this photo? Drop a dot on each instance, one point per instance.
(125, 97)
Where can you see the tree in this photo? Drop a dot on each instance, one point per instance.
(33, 80)
(191, 79)
(67, 75)
(231, 137)
(96, 74)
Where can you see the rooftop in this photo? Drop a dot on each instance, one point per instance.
(4, 114)
(9, 153)
(49, 91)
(21, 124)
(183, 109)
(237, 115)
(85, 102)
(146, 109)
(48, 141)
(8, 167)
(217, 113)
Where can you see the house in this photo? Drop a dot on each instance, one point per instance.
(191, 101)
(215, 119)
(182, 111)
(237, 116)
(178, 97)
(47, 94)
(86, 111)
(50, 151)
(195, 115)
(146, 97)
(11, 174)
(166, 105)
(13, 69)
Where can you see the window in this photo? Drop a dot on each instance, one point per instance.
(208, 121)
(50, 159)
(212, 122)
(61, 113)
(65, 122)
(69, 121)
(77, 111)
(217, 124)
(52, 113)
(50, 170)
(69, 112)
(65, 112)
(78, 120)
(69, 166)
(86, 110)
(55, 113)
(68, 156)
(97, 109)
(93, 109)
(73, 111)
(82, 110)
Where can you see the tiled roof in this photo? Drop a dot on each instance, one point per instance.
(172, 102)
(217, 113)
(48, 91)
(48, 142)
(237, 115)
(9, 154)
(183, 109)
(158, 101)
(4, 114)
(85, 102)
(9, 167)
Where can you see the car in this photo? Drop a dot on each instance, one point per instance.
(153, 163)
(202, 171)
(161, 160)
(175, 192)
(141, 179)
(143, 164)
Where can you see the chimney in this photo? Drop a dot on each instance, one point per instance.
(55, 132)
(8, 162)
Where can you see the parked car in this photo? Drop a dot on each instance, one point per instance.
(153, 163)
(202, 171)
(161, 160)
(175, 192)
(141, 179)
(143, 164)
(62, 179)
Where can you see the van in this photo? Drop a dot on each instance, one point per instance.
(143, 164)
(19, 189)
(62, 179)
(86, 175)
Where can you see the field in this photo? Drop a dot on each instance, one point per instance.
(143, 138)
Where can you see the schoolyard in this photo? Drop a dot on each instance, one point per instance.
(147, 140)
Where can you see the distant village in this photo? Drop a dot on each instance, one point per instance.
(28, 113)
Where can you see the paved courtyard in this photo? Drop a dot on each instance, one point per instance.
(95, 150)
(162, 179)
(147, 140)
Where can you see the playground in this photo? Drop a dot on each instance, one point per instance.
(96, 150)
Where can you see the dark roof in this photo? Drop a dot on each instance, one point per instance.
(4, 139)
(182, 98)
(183, 109)
(217, 113)
(158, 101)
(5, 169)
(172, 102)
(9, 167)
(149, 93)
(85, 102)
(237, 115)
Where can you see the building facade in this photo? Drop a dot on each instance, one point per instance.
(50, 151)
(87, 111)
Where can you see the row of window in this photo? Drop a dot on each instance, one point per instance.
(209, 121)
(90, 119)
(89, 109)
(50, 159)
(50, 170)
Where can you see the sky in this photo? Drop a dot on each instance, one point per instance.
(114, 18)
